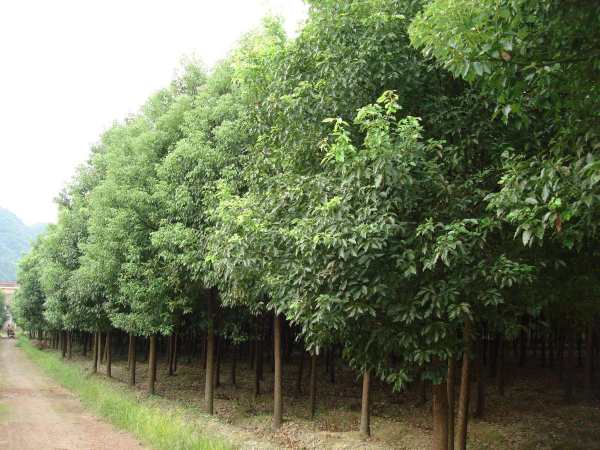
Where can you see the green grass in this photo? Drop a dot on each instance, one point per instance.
(155, 426)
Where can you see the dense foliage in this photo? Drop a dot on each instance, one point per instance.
(401, 181)
(3, 309)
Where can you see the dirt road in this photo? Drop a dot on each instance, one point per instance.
(38, 414)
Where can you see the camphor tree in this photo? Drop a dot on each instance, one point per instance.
(28, 305)
(378, 185)
(125, 211)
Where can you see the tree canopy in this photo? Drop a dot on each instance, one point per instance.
(399, 180)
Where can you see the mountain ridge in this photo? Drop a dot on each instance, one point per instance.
(15, 240)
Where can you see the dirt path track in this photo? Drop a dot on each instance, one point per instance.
(38, 414)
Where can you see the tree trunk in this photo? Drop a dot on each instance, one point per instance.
(170, 354)
(105, 355)
(234, 356)
(551, 351)
(440, 416)
(108, 355)
(84, 347)
(209, 388)
(63, 335)
(421, 390)
(523, 345)
(300, 373)
(132, 358)
(147, 351)
(465, 388)
(100, 349)
(332, 365)
(175, 352)
(543, 351)
(450, 388)
(570, 375)
(277, 388)
(480, 392)
(579, 350)
(589, 349)
(501, 370)
(152, 364)
(70, 344)
(95, 353)
(219, 349)
(365, 411)
(493, 367)
(257, 367)
(561, 356)
(313, 384)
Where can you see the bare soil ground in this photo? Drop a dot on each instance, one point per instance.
(36, 413)
(531, 416)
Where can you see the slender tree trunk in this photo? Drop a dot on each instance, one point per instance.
(551, 351)
(105, 356)
(440, 416)
(277, 388)
(493, 366)
(589, 349)
(579, 341)
(170, 354)
(543, 351)
(332, 365)
(95, 353)
(313, 384)
(108, 354)
(209, 388)
(84, 346)
(501, 369)
(561, 356)
(219, 348)
(175, 352)
(152, 364)
(365, 411)
(257, 367)
(569, 382)
(480, 392)
(261, 359)
(70, 344)
(234, 357)
(465, 388)
(146, 344)
(523, 345)
(450, 388)
(132, 358)
(203, 352)
(421, 390)
(100, 349)
(300, 373)
(64, 343)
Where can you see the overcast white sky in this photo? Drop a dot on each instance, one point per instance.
(69, 68)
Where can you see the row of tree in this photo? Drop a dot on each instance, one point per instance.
(3, 309)
(400, 180)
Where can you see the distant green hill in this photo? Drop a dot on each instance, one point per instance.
(15, 239)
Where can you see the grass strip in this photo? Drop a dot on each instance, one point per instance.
(151, 424)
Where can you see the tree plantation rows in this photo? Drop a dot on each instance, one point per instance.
(412, 187)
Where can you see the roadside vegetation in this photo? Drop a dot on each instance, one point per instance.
(156, 426)
(408, 192)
